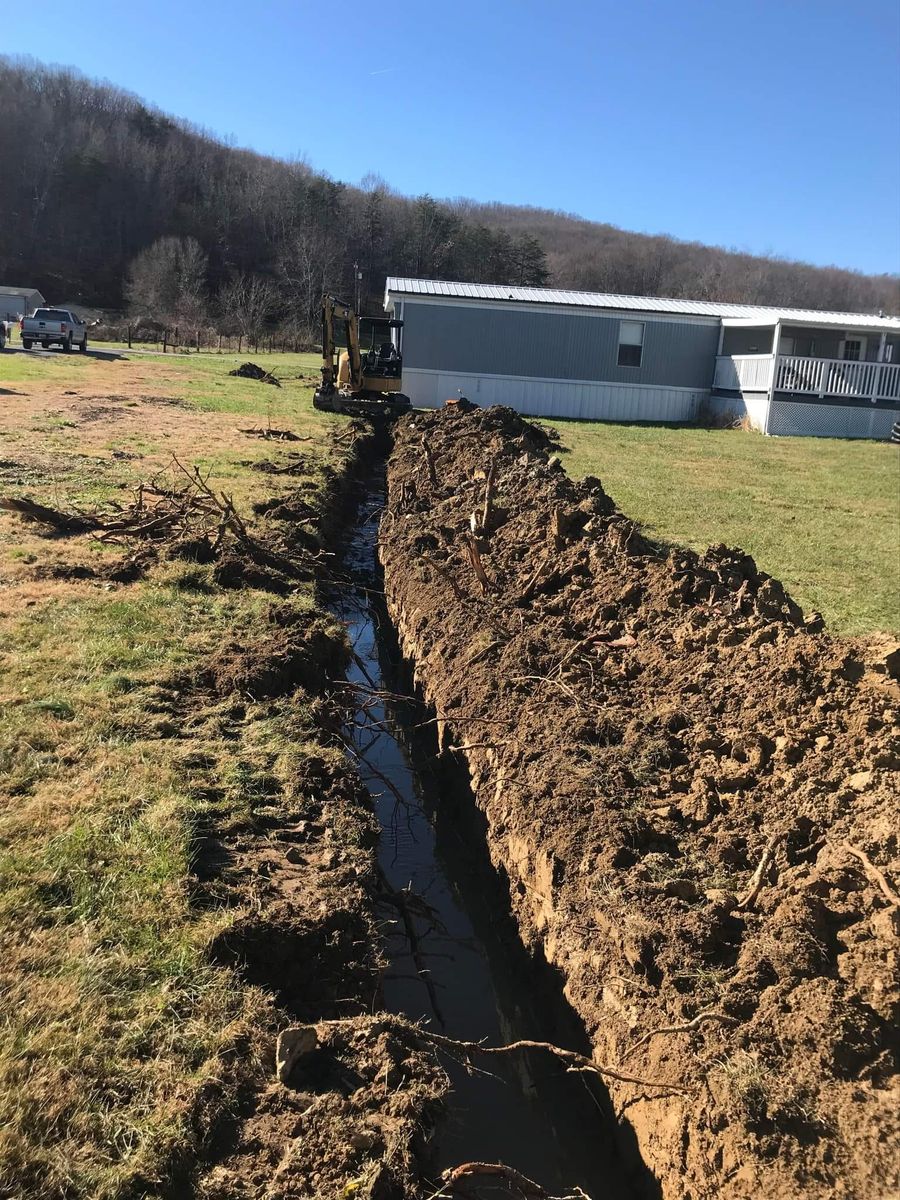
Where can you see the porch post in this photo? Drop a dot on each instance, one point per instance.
(773, 371)
(722, 338)
(879, 370)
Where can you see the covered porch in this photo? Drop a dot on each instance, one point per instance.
(811, 366)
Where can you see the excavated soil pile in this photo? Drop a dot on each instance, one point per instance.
(249, 370)
(692, 791)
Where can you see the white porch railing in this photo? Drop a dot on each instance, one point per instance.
(834, 377)
(743, 372)
(811, 376)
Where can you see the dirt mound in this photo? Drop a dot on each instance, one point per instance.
(290, 649)
(249, 370)
(692, 789)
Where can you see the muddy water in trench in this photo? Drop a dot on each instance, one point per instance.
(469, 975)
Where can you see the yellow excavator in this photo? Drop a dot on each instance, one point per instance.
(360, 381)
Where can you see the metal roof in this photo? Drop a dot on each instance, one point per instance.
(397, 286)
(12, 291)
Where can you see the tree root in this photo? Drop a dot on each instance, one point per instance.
(688, 1027)
(875, 875)
(749, 897)
(465, 1051)
(577, 1063)
(519, 1185)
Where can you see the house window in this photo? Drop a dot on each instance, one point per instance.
(631, 343)
(853, 349)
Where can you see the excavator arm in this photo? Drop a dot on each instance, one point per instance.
(334, 313)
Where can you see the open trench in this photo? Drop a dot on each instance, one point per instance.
(455, 958)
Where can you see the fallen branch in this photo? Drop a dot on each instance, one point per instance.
(480, 745)
(518, 1183)
(688, 1027)
(756, 882)
(274, 435)
(877, 877)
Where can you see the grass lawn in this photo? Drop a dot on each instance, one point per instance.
(119, 1033)
(822, 515)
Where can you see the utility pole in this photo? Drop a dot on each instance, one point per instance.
(357, 285)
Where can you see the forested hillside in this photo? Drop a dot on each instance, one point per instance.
(110, 203)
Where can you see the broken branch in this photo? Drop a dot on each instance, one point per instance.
(477, 565)
(488, 497)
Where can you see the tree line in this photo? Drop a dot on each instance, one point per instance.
(106, 202)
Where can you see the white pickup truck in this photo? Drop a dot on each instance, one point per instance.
(54, 326)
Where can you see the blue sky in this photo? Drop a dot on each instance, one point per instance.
(766, 125)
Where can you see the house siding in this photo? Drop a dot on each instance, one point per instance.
(480, 341)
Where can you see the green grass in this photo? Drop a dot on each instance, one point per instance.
(201, 379)
(822, 515)
(121, 1039)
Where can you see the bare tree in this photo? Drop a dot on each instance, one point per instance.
(246, 303)
(167, 281)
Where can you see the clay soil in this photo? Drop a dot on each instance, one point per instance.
(691, 788)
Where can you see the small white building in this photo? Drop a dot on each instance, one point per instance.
(18, 302)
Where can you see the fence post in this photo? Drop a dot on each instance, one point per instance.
(129, 337)
(165, 336)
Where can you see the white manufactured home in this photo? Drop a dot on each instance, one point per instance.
(596, 356)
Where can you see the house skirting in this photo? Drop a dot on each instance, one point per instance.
(830, 418)
(789, 415)
(575, 398)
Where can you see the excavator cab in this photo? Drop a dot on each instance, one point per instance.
(365, 377)
(379, 343)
